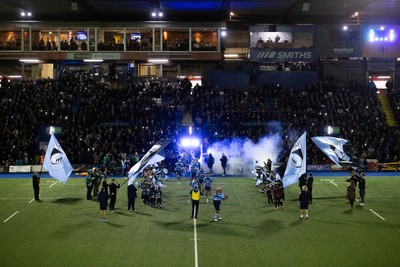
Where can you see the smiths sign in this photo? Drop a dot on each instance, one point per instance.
(264, 55)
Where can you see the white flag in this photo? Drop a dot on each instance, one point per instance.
(296, 165)
(56, 162)
(151, 157)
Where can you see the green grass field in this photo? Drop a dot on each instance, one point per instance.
(64, 228)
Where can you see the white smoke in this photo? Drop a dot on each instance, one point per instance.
(242, 154)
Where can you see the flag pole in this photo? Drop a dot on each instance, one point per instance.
(127, 179)
(41, 167)
(40, 173)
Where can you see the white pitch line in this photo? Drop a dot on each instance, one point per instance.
(25, 198)
(31, 201)
(332, 182)
(196, 256)
(377, 214)
(53, 184)
(14, 198)
(10, 216)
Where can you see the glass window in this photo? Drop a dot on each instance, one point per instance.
(175, 39)
(294, 40)
(45, 39)
(26, 40)
(157, 40)
(204, 39)
(92, 38)
(110, 40)
(139, 39)
(10, 39)
(146, 70)
(74, 39)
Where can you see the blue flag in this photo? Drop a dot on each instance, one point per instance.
(56, 162)
(296, 165)
(338, 150)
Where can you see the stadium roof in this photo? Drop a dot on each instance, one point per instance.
(253, 11)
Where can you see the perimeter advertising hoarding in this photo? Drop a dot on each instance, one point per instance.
(282, 43)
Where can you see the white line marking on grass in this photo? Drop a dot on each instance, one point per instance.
(53, 184)
(7, 198)
(10, 216)
(31, 201)
(377, 214)
(331, 181)
(196, 256)
(22, 198)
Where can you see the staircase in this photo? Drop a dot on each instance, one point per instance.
(187, 120)
(384, 101)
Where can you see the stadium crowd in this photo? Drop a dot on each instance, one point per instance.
(99, 121)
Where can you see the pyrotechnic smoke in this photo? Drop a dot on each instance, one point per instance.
(242, 154)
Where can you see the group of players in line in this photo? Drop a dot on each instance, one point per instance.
(152, 188)
(268, 181)
(271, 184)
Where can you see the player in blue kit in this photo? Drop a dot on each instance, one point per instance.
(207, 181)
(179, 170)
(218, 197)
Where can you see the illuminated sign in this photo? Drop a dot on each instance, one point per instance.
(279, 55)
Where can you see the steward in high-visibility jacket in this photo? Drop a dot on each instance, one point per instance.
(195, 193)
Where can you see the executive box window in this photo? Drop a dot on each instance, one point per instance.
(204, 40)
(282, 36)
(110, 40)
(52, 39)
(10, 39)
(175, 39)
(74, 39)
(45, 39)
(139, 39)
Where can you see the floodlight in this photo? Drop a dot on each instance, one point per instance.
(190, 142)
(330, 130)
(29, 60)
(158, 60)
(93, 60)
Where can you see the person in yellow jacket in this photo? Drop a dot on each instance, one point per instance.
(195, 194)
